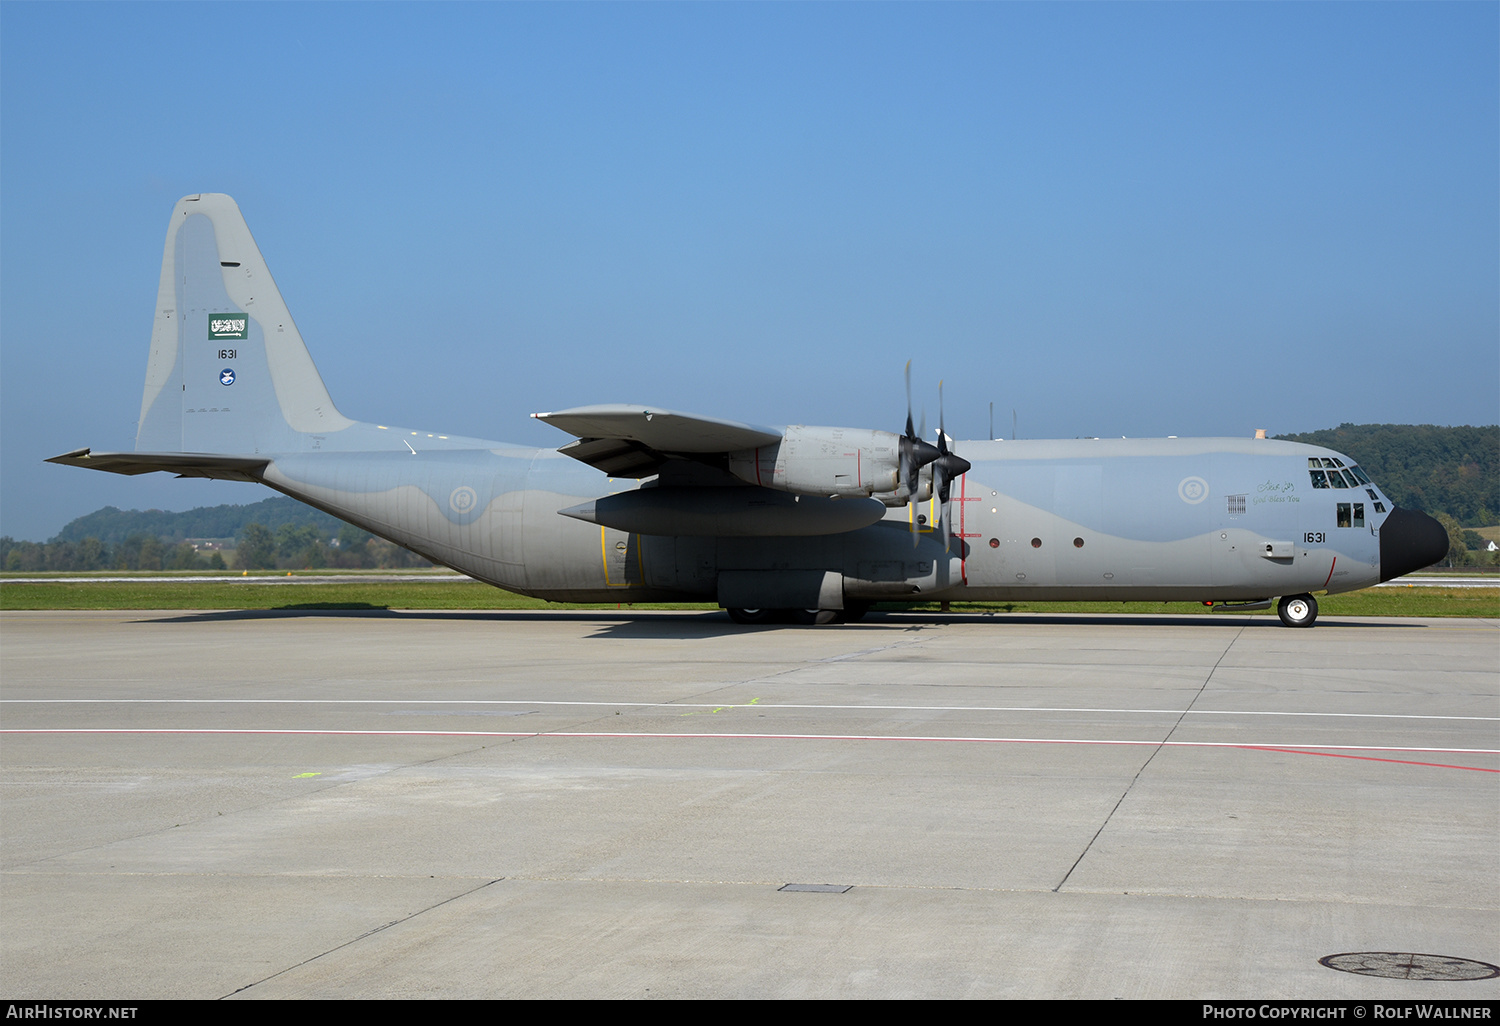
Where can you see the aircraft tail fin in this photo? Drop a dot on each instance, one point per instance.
(228, 371)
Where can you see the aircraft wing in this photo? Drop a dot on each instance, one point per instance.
(184, 464)
(634, 441)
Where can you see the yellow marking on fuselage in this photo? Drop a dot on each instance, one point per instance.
(604, 561)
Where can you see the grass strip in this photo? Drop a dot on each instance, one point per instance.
(353, 594)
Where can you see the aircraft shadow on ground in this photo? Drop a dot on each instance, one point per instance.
(716, 623)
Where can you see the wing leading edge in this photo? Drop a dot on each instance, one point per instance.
(635, 441)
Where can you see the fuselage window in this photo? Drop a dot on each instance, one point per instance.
(1319, 479)
(1359, 514)
(1361, 475)
(1337, 479)
(1344, 514)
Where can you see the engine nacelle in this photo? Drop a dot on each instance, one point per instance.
(827, 461)
(900, 496)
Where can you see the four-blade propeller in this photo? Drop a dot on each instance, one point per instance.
(917, 453)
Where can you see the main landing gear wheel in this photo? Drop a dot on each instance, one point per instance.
(852, 612)
(750, 616)
(1297, 610)
(812, 617)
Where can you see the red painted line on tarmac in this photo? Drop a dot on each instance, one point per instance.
(1371, 758)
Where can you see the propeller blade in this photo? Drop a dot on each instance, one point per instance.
(942, 431)
(907, 477)
(940, 492)
(916, 453)
(909, 432)
(939, 476)
(948, 467)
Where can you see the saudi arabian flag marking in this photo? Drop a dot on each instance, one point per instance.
(228, 326)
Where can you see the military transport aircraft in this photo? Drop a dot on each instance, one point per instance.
(808, 524)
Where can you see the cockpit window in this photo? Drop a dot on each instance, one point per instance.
(1326, 472)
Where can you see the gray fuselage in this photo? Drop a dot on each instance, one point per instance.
(1085, 519)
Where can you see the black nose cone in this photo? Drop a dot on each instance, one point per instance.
(1410, 540)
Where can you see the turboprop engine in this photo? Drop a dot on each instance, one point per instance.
(842, 462)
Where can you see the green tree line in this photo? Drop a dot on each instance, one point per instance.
(302, 547)
(112, 526)
(137, 552)
(288, 547)
(1452, 470)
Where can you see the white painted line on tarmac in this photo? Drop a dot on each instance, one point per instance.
(657, 735)
(723, 705)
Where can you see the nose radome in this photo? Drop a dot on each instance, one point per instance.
(1410, 540)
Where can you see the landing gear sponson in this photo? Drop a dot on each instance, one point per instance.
(1294, 611)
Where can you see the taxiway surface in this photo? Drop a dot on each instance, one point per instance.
(610, 805)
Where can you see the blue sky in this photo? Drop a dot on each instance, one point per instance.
(1121, 219)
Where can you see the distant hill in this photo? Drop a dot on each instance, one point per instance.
(1453, 470)
(112, 526)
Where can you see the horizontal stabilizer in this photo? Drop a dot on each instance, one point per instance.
(183, 464)
(632, 441)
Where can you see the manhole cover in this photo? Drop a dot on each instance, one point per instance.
(1403, 965)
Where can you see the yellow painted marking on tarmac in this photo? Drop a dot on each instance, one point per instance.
(304, 776)
(703, 712)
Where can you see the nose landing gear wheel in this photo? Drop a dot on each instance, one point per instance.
(1297, 610)
(749, 616)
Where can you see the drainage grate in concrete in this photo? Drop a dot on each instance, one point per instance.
(1402, 965)
(818, 888)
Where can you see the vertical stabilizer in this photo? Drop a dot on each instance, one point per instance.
(228, 371)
